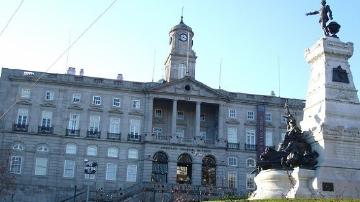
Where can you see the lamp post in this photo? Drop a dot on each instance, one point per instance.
(89, 169)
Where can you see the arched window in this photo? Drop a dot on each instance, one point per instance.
(250, 162)
(208, 177)
(42, 148)
(133, 154)
(159, 168)
(70, 148)
(18, 147)
(113, 152)
(91, 150)
(184, 169)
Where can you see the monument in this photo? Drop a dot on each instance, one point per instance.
(331, 125)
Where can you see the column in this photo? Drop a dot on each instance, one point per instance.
(196, 173)
(221, 136)
(148, 117)
(173, 121)
(197, 119)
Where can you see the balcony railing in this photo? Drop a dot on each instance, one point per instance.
(93, 134)
(250, 147)
(186, 140)
(72, 132)
(162, 137)
(114, 136)
(45, 130)
(134, 137)
(233, 145)
(20, 127)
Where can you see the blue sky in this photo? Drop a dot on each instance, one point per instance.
(249, 36)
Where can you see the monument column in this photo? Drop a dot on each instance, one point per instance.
(220, 138)
(332, 118)
(149, 117)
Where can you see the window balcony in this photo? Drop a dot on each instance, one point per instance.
(20, 127)
(45, 130)
(114, 136)
(186, 140)
(134, 137)
(72, 132)
(93, 134)
(233, 145)
(161, 137)
(250, 147)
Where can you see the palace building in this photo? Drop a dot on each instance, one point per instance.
(150, 140)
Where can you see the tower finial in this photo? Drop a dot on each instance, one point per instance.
(182, 15)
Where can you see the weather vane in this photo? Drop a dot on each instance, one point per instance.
(326, 15)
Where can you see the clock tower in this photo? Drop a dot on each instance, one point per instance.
(181, 60)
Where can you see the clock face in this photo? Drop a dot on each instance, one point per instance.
(183, 37)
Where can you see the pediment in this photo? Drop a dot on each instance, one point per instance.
(189, 87)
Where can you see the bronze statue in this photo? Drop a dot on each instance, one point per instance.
(325, 13)
(293, 152)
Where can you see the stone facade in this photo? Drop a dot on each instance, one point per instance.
(53, 122)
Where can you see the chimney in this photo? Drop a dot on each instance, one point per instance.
(81, 72)
(71, 71)
(119, 77)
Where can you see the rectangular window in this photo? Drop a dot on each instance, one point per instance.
(269, 138)
(96, 100)
(74, 121)
(202, 117)
(49, 95)
(180, 132)
(76, 97)
(131, 173)
(181, 71)
(116, 102)
(114, 125)
(41, 166)
(135, 104)
(46, 117)
(15, 164)
(90, 176)
(133, 154)
(251, 115)
(232, 161)
(250, 183)
(157, 132)
(158, 113)
(268, 117)
(22, 118)
(69, 168)
(25, 93)
(111, 171)
(135, 129)
(94, 125)
(232, 135)
(250, 137)
(232, 179)
(91, 151)
(180, 115)
(232, 113)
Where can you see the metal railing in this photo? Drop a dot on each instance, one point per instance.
(20, 127)
(134, 137)
(233, 145)
(45, 130)
(72, 132)
(250, 147)
(114, 136)
(93, 134)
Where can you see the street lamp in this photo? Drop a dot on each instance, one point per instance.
(89, 169)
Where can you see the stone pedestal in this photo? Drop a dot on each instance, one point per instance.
(302, 184)
(332, 119)
(272, 184)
